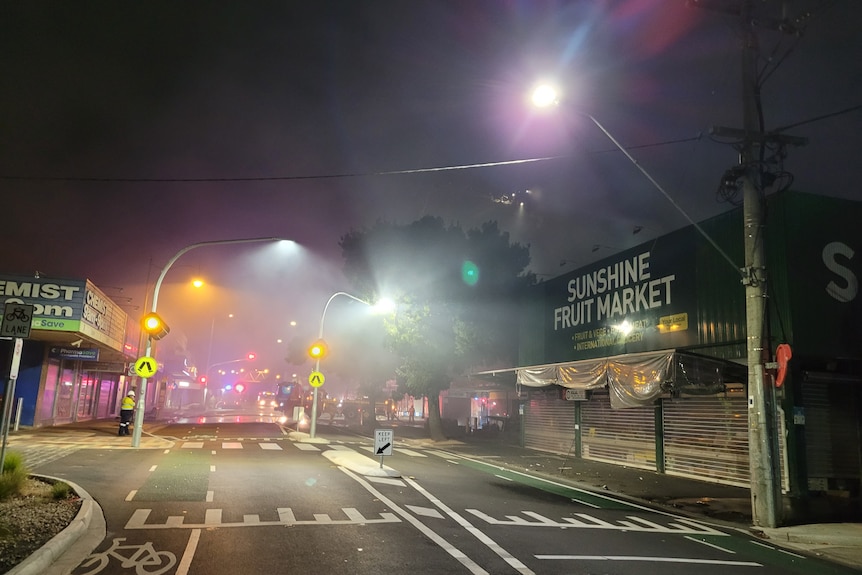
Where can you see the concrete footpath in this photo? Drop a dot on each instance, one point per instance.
(719, 504)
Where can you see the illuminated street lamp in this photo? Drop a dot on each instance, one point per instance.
(142, 392)
(318, 349)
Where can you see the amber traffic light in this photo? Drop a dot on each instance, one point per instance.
(318, 350)
(155, 326)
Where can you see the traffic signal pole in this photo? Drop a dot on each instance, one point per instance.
(140, 406)
(312, 432)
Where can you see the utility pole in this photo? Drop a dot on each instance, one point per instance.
(765, 489)
(762, 425)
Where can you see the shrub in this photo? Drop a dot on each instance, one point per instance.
(12, 482)
(13, 461)
(14, 475)
(61, 490)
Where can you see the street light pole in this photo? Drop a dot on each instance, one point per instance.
(140, 407)
(313, 430)
(761, 443)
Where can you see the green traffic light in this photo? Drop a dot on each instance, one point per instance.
(469, 273)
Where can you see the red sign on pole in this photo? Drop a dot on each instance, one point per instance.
(782, 354)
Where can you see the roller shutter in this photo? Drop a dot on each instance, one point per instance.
(707, 438)
(622, 436)
(832, 435)
(549, 425)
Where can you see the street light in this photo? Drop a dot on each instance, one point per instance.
(318, 349)
(762, 451)
(545, 96)
(142, 392)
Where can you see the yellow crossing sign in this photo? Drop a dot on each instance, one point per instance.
(146, 366)
(316, 379)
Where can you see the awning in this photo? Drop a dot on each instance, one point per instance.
(636, 379)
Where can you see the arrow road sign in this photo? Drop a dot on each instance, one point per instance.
(383, 439)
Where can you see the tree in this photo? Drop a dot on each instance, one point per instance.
(456, 295)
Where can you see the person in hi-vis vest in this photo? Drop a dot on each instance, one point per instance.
(127, 411)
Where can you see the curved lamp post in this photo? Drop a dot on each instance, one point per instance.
(763, 452)
(383, 303)
(313, 430)
(142, 392)
(545, 96)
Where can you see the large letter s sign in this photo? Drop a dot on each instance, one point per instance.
(848, 291)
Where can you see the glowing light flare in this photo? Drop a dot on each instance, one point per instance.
(544, 96)
(625, 327)
(469, 273)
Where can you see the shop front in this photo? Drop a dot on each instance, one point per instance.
(73, 365)
(640, 358)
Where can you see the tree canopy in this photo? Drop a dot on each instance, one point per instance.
(457, 296)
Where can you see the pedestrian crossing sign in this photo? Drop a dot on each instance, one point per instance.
(146, 366)
(316, 379)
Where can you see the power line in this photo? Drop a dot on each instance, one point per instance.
(325, 176)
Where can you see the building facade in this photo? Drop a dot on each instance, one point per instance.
(73, 366)
(640, 359)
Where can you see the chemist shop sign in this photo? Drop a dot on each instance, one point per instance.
(58, 304)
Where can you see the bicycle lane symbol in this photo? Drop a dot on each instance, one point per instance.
(144, 558)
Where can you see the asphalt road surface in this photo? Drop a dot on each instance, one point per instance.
(244, 498)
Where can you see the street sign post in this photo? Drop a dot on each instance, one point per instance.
(383, 440)
(316, 379)
(146, 366)
(17, 319)
(9, 394)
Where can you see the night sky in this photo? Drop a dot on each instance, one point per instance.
(129, 130)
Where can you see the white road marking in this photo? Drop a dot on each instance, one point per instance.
(453, 551)
(506, 478)
(411, 453)
(648, 559)
(708, 544)
(385, 480)
(131, 494)
(231, 445)
(189, 553)
(425, 511)
(212, 517)
(286, 517)
(212, 468)
(192, 445)
(270, 446)
(513, 561)
(153, 468)
(442, 454)
(210, 496)
(791, 553)
(593, 494)
(584, 521)
(306, 447)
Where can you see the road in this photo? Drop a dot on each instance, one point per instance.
(244, 498)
